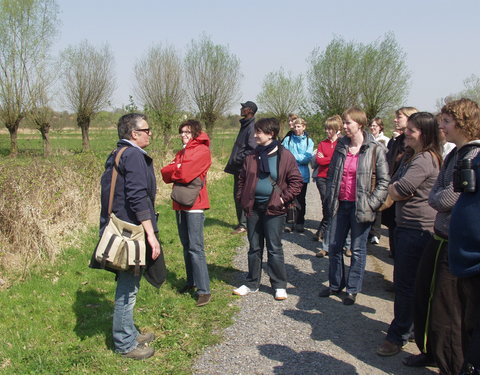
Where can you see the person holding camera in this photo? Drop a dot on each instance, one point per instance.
(409, 188)
(437, 317)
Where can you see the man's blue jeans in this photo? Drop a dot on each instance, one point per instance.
(124, 330)
(265, 229)
(409, 246)
(344, 221)
(190, 230)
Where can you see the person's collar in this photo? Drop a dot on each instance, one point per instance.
(134, 145)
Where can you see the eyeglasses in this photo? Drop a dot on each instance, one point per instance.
(146, 131)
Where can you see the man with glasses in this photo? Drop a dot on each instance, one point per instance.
(244, 145)
(134, 201)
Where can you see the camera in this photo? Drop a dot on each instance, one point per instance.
(464, 179)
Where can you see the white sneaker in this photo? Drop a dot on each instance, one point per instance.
(280, 294)
(243, 291)
(375, 240)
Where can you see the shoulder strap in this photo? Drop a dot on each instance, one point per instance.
(274, 184)
(114, 178)
(374, 169)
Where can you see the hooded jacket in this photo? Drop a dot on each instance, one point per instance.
(302, 149)
(367, 201)
(191, 162)
(289, 181)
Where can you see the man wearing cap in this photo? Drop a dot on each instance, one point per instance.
(244, 145)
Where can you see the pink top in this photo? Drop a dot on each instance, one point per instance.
(348, 186)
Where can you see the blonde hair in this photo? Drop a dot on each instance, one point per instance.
(334, 122)
(406, 111)
(300, 121)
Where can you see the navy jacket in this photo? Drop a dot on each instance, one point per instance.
(463, 234)
(133, 199)
(244, 145)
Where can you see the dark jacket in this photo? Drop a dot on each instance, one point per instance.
(289, 181)
(244, 145)
(191, 162)
(367, 201)
(134, 196)
(463, 234)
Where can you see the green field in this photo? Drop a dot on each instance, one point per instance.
(55, 317)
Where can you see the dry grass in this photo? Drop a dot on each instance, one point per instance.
(43, 204)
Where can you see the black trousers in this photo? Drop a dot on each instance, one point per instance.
(437, 314)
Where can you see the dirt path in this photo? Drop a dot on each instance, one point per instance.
(306, 334)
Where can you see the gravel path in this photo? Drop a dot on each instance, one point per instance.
(306, 334)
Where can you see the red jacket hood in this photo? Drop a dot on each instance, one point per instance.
(201, 139)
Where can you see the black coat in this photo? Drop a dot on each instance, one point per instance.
(244, 145)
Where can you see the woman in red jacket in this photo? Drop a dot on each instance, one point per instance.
(191, 162)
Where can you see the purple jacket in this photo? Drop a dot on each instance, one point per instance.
(289, 181)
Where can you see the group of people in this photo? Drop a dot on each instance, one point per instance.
(426, 197)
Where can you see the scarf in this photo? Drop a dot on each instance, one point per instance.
(261, 154)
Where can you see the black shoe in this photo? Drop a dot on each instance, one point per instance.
(350, 299)
(327, 292)
(187, 289)
(419, 360)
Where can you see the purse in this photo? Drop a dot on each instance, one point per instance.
(186, 194)
(122, 244)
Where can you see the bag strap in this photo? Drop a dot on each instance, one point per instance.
(274, 184)
(374, 170)
(114, 178)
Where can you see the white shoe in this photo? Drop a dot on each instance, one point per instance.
(243, 291)
(280, 294)
(375, 240)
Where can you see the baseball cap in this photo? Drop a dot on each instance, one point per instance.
(250, 105)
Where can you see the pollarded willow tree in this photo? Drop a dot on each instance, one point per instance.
(373, 76)
(27, 30)
(282, 93)
(212, 78)
(159, 86)
(471, 91)
(383, 77)
(88, 83)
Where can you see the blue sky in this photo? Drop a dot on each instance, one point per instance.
(440, 38)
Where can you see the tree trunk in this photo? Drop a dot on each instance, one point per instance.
(209, 119)
(13, 130)
(84, 124)
(44, 130)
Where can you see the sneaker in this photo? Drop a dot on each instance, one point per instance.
(145, 338)
(288, 228)
(299, 228)
(244, 290)
(140, 352)
(374, 240)
(321, 254)
(203, 299)
(280, 294)
(239, 230)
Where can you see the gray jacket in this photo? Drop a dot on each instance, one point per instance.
(367, 201)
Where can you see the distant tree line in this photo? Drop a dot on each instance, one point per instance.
(206, 80)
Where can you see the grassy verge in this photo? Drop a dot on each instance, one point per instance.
(58, 321)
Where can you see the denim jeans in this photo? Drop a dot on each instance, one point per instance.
(344, 221)
(409, 246)
(265, 229)
(190, 230)
(124, 330)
